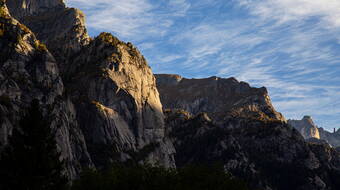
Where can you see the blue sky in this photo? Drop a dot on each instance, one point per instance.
(292, 47)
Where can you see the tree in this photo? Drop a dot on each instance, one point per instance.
(146, 177)
(31, 161)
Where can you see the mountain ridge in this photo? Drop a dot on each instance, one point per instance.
(107, 106)
(219, 97)
(121, 112)
(309, 129)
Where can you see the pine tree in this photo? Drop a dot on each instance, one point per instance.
(31, 161)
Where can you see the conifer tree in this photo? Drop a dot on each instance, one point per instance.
(31, 161)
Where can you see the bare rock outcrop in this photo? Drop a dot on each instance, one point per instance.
(104, 104)
(331, 138)
(62, 29)
(309, 129)
(107, 104)
(266, 154)
(219, 97)
(29, 71)
(23, 8)
(117, 101)
(306, 127)
(252, 141)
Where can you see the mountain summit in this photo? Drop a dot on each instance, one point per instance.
(100, 93)
(219, 97)
(105, 106)
(306, 127)
(308, 130)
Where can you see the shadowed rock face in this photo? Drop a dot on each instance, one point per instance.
(106, 107)
(61, 29)
(266, 154)
(219, 97)
(22, 8)
(29, 71)
(110, 107)
(331, 138)
(252, 141)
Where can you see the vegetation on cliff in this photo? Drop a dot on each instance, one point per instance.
(31, 159)
(155, 178)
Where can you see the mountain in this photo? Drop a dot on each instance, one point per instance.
(29, 71)
(308, 130)
(219, 97)
(104, 96)
(268, 155)
(105, 105)
(331, 138)
(252, 141)
(61, 28)
(306, 127)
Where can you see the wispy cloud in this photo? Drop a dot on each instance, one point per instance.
(289, 46)
(134, 20)
(288, 10)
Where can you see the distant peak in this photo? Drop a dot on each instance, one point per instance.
(22, 8)
(307, 117)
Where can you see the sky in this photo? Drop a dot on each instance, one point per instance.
(292, 47)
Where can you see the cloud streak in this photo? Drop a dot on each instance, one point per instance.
(133, 20)
(289, 46)
(289, 10)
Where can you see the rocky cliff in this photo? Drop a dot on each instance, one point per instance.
(105, 94)
(331, 138)
(102, 100)
(115, 94)
(29, 71)
(308, 129)
(62, 29)
(252, 141)
(219, 97)
(267, 154)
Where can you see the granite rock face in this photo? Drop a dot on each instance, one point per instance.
(105, 94)
(331, 138)
(23, 8)
(103, 102)
(252, 141)
(219, 97)
(62, 29)
(29, 71)
(266, 154)
(116, 99)
(308, 129)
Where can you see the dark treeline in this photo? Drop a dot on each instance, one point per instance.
(145, 177)
(31, 162)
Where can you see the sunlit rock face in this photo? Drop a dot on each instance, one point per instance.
(103, 102)
(22, 8)
(223, 121)
(306, 127)
(115, 94)
(221, 98)
(107, 102)
(62, 29)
